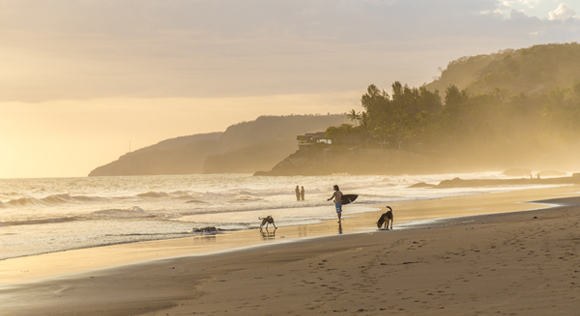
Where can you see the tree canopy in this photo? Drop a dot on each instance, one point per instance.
(510, 106)
(494, 126)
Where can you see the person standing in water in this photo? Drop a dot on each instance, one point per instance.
(337, 195)
(297, 193)
(302, 193)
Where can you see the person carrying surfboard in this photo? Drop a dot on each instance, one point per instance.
(337, 195)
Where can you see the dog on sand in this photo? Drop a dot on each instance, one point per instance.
(386, 218)
(267, 221)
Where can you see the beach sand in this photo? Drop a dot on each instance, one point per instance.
(517, 263)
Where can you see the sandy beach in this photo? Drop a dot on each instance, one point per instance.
(519, 262)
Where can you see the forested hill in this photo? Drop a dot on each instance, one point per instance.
(534, 70)
(517, 108)
(243, 147)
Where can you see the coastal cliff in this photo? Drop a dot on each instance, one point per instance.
(358, 161)
(242, 148)
(514, 108)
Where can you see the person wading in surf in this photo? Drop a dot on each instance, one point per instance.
(337, 195)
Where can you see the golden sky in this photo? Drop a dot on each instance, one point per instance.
(81, 79)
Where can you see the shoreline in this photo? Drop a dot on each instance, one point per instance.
(38, 267)
(473, 183)
(61, 224)
(506, 264)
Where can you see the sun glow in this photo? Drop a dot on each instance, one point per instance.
(72, 137)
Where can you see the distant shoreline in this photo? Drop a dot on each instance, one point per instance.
(461, 183)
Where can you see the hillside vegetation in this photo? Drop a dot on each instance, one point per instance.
(243, 147)
(512, 109)
(516, 108)
(535, 70)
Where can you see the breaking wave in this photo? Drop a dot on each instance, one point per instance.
(24, 201)
(56, 199)
(133, 212)
(153, 194)
(39, 221)
(53, 200)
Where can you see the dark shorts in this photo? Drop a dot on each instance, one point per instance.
(338, 206)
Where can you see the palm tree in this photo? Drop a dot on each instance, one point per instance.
(354, 116)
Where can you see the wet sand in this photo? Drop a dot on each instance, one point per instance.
(507, 264)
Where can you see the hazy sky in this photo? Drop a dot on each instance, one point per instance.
(83, 80)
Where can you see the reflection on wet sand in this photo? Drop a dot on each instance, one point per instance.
(204, 238)
(266, 234)
(302, 231)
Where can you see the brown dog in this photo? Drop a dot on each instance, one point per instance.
(386, 218)
(267, 221)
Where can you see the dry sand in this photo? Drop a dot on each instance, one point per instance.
(523, 263)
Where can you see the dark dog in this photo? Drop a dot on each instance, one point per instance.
(267, 221)
(386, 218)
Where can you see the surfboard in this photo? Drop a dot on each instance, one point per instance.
(347, 198)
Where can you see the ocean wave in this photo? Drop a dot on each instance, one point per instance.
(387, 196)
(278, 192)
(153, 194)
(233, 194)
(180, 193)
(133, 212)
(184, 197)
(195, 201)
(56, 199)
(7, 195)
(229, 194)
(253, 208)
(39, 221)
(246, 198)
(88, 199)
(2, 205)
(24, 201)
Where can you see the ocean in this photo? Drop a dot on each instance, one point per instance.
(56, 214)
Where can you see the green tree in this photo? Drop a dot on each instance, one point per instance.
(354, 116)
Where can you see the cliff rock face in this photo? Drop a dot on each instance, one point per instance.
(243, 148)
(183, 155)
(332, 160)
(261, 144)
(250, 158)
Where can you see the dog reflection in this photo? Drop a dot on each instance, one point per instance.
(266, 234)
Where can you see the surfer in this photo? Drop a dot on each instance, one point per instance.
(297, 193)
(337, 195)
(302, 193)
